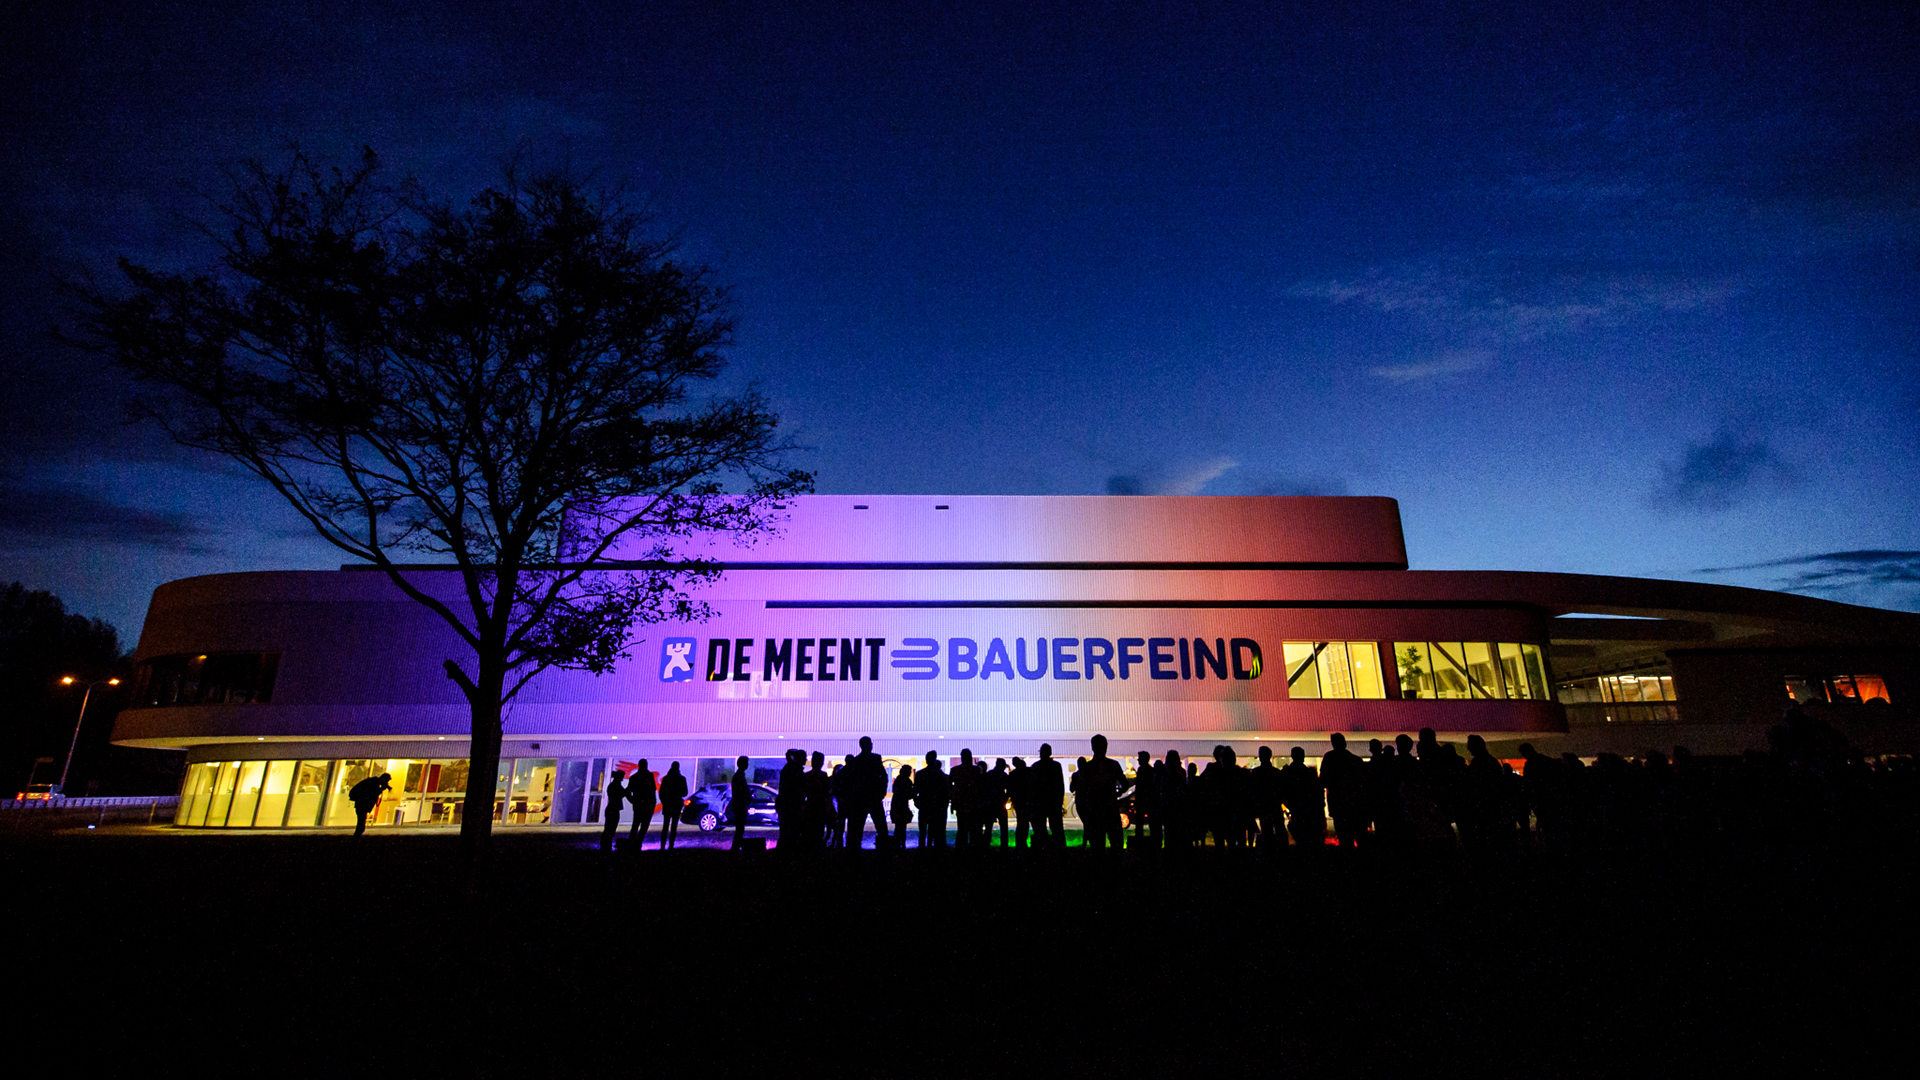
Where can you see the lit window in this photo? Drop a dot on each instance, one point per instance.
(1465, 670)
(1333, 669)
(1836, 689)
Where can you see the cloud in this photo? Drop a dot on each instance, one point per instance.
(1192, 480)
(1189, 481)
(1715, 474)
(39, 513)
(1452, 363)
(1872, 571)
(1844, 567)
(1479, 302)
(1412, 290)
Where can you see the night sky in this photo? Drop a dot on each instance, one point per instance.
(1597, 288)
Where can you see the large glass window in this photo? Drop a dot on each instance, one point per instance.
(446, 790)
(1415, 662)
(287, 793)
(596, 789)
(206, 679)
(1464, 670)
(246, 794)
(531, 800)
(1627, 689)
(194, 792)
(1836, 689)
(273, 795)
(310, 784)
(1333, 669)
(1536, 665)
(1483, 678)
(1303, 675)
(1642, 695)
(571, 792)
(223, 781)
(1449, 671)
(339, 807)
(1513, 671)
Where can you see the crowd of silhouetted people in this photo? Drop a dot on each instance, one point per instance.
(1407, 794)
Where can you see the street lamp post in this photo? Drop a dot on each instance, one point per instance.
(68, 680)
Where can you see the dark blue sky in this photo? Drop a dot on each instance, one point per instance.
(1618, 289)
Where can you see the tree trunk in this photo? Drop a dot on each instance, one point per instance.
(483, 756)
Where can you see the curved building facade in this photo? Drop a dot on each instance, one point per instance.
(995, 624)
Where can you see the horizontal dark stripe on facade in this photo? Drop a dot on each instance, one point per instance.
(414, 567)
(1390, 605)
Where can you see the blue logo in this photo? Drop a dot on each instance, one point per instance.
(676, 659)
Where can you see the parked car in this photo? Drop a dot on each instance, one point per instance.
(708, 808)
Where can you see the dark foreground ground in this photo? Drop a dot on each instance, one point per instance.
(392, 955)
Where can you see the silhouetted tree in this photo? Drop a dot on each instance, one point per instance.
(503, 388)
(40, 641)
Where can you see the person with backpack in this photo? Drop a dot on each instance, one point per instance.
(365, 795)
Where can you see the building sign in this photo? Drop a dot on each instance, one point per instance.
(1100, 663)
(919, 659)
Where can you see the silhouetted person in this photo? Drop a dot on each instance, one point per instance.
(1481, 799)
(931, 790)
(1345, 778)
(1518, 823)
(1223, 792)
(1540, 785)
(867, 795)
(1383, 794)
(1239, 800)
(1174, 803)
(842, 803)
(1427, 789)
(1049, 801)
(903, 807)
(365, 795)
(998, 792)
(1265, 785)
(1306, 806)
(1693, 792)
(790, 802)
(1146, 801)
(616, 798)
(1576, 800)
(819, 811)
(1020, 791)
(1101, 782)
(640, 793)
(966, 801)
(673, 799)
(1073, 789)
(740, 800)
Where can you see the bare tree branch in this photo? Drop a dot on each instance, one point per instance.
(507, 385)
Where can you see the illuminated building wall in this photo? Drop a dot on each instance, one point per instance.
(929, 623)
